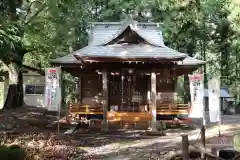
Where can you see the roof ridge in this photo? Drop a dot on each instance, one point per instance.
(119, 23)
(133, 26)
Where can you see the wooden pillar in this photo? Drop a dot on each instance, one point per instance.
(105, 100)
(80, 89)
(203, 142)
(185, 145)
(153, 100)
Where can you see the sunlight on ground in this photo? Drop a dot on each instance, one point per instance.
(167, 141)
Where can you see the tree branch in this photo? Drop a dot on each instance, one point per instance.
(40, 71)
(3, 33)
(28, 10)
(35, 15)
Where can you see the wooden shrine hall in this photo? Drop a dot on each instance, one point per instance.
(126, 74)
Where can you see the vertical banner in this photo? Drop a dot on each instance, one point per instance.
(52, 89)
(214, 99)
(197, 95)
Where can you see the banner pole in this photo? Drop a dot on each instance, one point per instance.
(220, 111)
(203, 142)
(58, 120)
(203, 135)
(60, 99)
(220, 121)
(203, 128)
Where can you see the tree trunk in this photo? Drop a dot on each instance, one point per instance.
(15, 91)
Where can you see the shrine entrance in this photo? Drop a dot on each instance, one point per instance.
(129, 93)
(127, 75)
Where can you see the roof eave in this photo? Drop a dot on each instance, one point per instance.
(133, 59)
(65, 63)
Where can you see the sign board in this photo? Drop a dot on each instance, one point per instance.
(214, 99)
(53, 88)
(197, 95)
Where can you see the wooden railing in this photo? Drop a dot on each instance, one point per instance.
(85, 109)
(143, 116)
(172, 109)
(125, 117)
(129, 116)
(162, 109)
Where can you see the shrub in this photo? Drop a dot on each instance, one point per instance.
(4, 152)
(13, 152)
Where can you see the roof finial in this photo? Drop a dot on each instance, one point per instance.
(129, 21)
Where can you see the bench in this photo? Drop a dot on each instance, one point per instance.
(132, 117)
(76, 110)
(171, 109)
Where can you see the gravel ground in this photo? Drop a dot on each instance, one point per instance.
(44, 144)
(152, 148)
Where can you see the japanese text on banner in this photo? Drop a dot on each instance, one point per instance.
(52, 89)
(197, 95)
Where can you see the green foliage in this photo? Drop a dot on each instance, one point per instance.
(68, 89)
(4, 152)
(39, 31)
(180, 90)
(12, 153)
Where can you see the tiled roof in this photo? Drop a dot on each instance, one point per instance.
(189, 61)
(223, 93)
(128, 51)
(68, 59)
(103, 39)
(104, 32)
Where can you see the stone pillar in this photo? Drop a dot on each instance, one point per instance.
(105, 100)
(153, 100)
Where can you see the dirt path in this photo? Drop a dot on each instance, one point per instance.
(94, 146)
(153, 148)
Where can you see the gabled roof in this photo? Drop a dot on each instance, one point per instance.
(139, 30)
(104, 32)
(126, 41)
(147, 43)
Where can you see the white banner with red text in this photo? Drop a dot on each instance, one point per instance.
(197, 95)
(52, 88)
